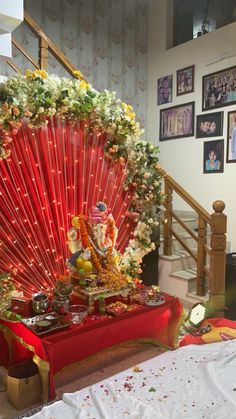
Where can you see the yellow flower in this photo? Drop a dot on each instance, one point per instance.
(131, 115)
(29, 74)
(84, 85)
(37, 73)
(78, 74)
(127, 108)
(128, 111)
(41, 73)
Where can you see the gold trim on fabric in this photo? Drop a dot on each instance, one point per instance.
(43, 366)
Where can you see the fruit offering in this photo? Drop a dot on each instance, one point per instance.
(10, 315)
(116, 308)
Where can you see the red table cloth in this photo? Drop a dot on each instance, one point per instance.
(77, 342)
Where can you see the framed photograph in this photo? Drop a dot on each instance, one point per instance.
(164, 90)
(185, 80)
(231, 138)
(219, 89)
(213, 156)
(177, 121)
(209, 125)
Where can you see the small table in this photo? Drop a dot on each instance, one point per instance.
(54, 351)
(90, 296)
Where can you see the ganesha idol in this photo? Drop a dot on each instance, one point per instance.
(96, 236)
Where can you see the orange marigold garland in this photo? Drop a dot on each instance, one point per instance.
(111, 230)
(86, 244)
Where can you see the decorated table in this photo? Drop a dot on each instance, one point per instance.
(54, 351)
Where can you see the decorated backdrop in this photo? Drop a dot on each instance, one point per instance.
(65, 146)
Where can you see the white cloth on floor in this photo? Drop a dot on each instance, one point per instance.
(57, 410)
(193, 382)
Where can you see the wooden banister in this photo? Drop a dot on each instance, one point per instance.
(185, 195)
(13, 66)
(217, 223)
(45, 45)
(24, 52)
(178, 219)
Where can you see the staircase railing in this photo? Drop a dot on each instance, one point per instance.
(216, 249)
(45, 46)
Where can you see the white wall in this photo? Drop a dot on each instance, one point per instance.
(183, 158)
(11, 15)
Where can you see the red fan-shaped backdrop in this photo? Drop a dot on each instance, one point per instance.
(54, 173)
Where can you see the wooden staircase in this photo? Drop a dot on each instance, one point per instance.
(178, 273)
(208, 253)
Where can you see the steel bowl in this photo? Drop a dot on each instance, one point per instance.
(40, 303)
(78, 313)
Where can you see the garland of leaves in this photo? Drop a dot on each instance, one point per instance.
(39, 96)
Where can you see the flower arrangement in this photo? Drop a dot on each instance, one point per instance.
(38, 96)
(6, 288)
(63, 287)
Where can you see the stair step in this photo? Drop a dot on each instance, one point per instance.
(179, 253)
(185, 274)
(193, 296)
(190, 222)
(185, 237)
(179, 260)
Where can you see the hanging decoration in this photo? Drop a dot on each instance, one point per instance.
(64, 147)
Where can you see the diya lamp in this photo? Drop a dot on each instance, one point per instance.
(155, 288)
(151, 296)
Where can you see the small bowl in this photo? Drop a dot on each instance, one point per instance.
(78, 313)
(52, 318)
(43, 324)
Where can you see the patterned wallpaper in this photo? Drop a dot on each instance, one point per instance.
(105, 39)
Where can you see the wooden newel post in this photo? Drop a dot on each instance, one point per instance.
(43, 54)
(168, 221)
(217, 260)
(201, 257)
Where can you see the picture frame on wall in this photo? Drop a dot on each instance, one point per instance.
(209, 125)
(177, 121)
(164, 90)
(219, 89)
(213, 156)
(185, 80)
(231, 138)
